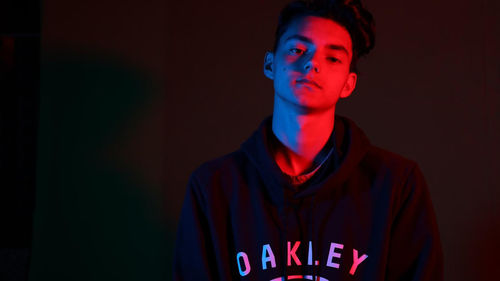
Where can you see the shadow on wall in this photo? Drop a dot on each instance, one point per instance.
(96, 217)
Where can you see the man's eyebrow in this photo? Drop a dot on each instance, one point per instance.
(338, 48)
(307, 40)
(298, 37)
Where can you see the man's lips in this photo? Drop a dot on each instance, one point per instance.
(309, 82)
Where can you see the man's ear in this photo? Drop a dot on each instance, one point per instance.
(269, 65)
(349, 85)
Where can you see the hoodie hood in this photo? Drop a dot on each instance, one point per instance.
(351, 145)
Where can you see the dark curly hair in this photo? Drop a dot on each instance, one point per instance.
(348, 13)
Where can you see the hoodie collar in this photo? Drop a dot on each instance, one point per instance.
(351, 146)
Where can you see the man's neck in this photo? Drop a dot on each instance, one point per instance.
(302, 134)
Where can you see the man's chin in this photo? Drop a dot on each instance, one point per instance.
(309, 106)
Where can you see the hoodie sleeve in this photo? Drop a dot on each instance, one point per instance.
(193, 252)
(415, 252)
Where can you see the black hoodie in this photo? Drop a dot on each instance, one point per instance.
(366, 214)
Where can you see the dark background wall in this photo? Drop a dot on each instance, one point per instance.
(19, 77)
(135, 95)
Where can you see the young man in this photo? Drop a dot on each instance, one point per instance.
(307, 197)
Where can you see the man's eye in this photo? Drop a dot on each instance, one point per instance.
(333, 59)
(296, 51)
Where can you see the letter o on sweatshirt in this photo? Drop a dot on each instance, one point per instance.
(244, 256)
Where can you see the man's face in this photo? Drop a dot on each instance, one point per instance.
(310, 67)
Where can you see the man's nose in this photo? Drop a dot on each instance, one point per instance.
(311, 64)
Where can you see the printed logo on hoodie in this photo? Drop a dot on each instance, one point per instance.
(268, 260)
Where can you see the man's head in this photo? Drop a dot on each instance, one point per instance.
(348, 13)
(316, 47)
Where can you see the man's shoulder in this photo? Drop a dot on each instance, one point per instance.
(216, 178)
(389, 161)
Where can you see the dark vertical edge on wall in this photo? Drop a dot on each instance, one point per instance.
(19, 99)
